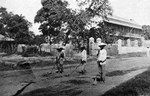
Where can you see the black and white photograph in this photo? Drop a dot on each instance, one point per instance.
(74, 47)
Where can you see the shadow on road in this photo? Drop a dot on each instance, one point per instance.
(54, 91)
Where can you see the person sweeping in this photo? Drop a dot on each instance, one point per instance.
(101, 63)
(83, 59)
(60, 59)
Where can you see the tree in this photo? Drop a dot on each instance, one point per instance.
(89, 10)
(15, 26)
(106, 33)
(38, 40)
(4, 17)
(51, 16)
(55, 13)
(146, 29)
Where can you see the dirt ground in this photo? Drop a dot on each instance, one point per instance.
(119, 70)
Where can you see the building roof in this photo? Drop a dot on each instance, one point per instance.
(122, 21)
(4, 38)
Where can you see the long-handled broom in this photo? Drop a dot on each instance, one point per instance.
(73, 70)
(52, 69)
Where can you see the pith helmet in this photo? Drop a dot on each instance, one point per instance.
(60, 48)
(82, 47)
(102, 44)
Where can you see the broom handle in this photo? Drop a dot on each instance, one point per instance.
(75, 69)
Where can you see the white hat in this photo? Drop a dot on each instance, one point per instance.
(60, 48)
(102, 44)
(82, 47)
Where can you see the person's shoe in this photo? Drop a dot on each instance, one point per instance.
(103, 80)
(57, 71)
(82, 72)
(99, 79)
(85, 71)
(61, 71)
(95, 81)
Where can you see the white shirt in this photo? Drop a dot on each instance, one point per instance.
(148, 52)
(102, 56)
(60, 54)
(84, 55)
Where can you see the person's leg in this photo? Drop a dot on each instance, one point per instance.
(99, 68)
(95, 80)
(103, 72)
(58, 67)
(84, 70)
(56, 63)
(61, 67)
(97, 76)
(83, 66)
(100, 72)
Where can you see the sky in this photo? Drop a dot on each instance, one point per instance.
(138, 10)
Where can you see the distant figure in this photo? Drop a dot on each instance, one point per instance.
(148, 52)
(101, 62)
(83, 59)
(23, 48)
(60, 59)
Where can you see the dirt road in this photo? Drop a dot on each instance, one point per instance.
(118, 71)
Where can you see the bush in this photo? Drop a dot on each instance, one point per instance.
(137, 86)
(30, 51)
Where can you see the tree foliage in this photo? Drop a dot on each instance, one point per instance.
(51, 16)
(39, 39)
(104, 32)
(146, 29)
(15, 26)
(55, 13)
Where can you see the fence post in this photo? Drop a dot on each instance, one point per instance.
(119, 46)
(129, 43)
(91, 45)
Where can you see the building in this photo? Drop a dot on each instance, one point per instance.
(129, 36)
(7, 45)
(125, 29)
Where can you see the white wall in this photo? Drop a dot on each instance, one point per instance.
(124, 50)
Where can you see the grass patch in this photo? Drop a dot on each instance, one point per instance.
(135, 54)
(53, 91)
(75, 82)
(17, 74)
(4, 66)
(119, 72)
(23, 65)
(139, 85)
(115, 73)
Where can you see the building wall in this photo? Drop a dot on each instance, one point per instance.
(52, 49)
(124, 30)
(114, 49)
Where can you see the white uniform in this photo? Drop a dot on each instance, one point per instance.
(84, 55)
(101, 62)
(148, 52)
(83, 61)
(102, 56)
(59, 61)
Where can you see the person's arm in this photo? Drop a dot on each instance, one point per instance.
(57, 59)
(62, 55)
(82, 55)
(98, 52)
(104, 56)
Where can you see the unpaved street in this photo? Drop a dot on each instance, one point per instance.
(118, 71)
